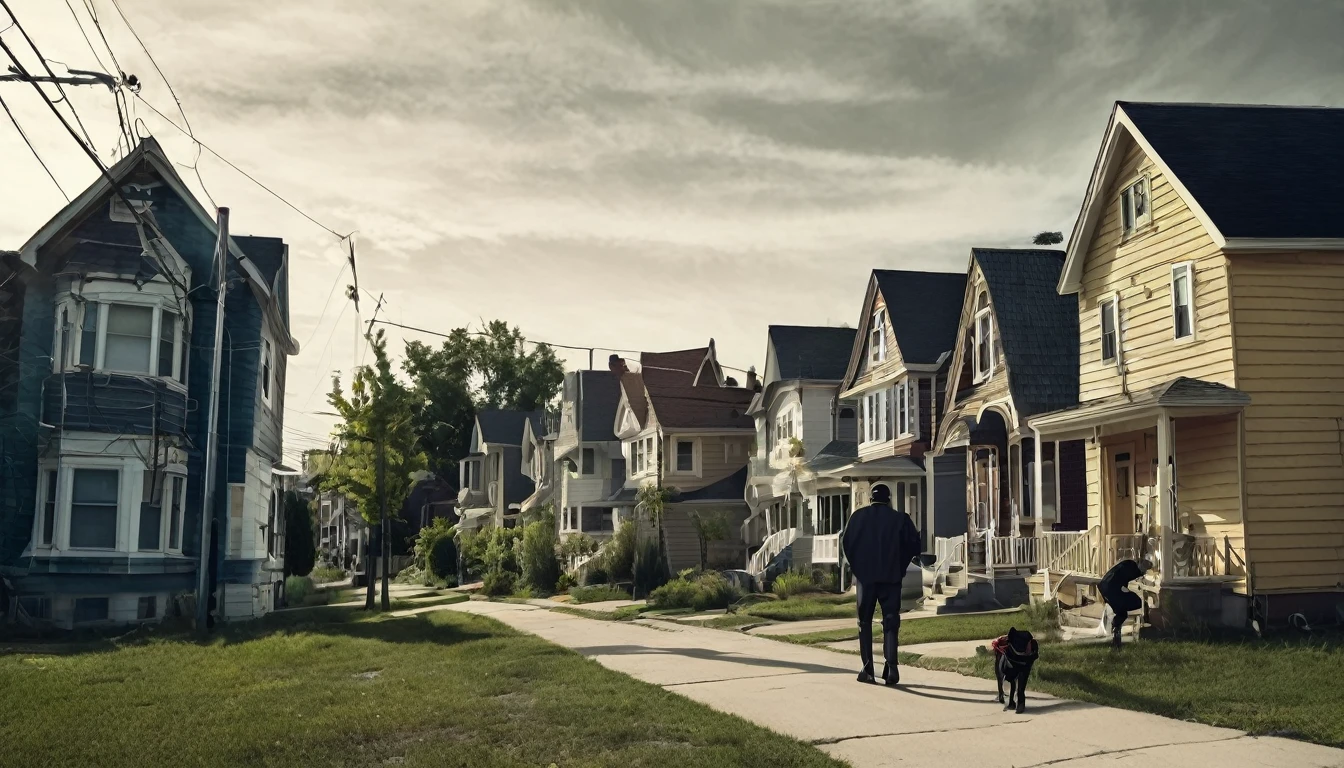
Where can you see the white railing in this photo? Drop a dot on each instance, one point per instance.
(1072, 551)
(772, 546)
(948, 551)
(826, 548)
(1122, 546)
(1012, 551)
(1206, 556)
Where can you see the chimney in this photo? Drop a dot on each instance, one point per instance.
(752, 383)
(617, 365)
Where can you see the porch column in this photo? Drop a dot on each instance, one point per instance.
(1036, 506)
(1165, 514)
(926, 498)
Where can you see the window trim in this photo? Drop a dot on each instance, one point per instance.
(1113, 300)
(877, 331)
(1188, 268)
(266, 370)
(68, 342)
(168, 479)
(983, 315)
(674, 457)
(1125, 201)
(908, 393)
(877, 413)
(68, 484)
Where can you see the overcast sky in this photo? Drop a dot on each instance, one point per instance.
(641, 175)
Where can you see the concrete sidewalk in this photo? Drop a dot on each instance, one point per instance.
(933, 718)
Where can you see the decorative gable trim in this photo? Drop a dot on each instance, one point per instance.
(860, 349)
(711, 361)
(1096, 200)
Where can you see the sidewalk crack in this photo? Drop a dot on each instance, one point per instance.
(839, 739)
(1105, 752)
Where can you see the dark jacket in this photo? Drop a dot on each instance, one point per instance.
(879, 544)
(1120, 574)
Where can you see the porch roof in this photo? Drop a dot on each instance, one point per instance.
(887, 466)
(1186, 396)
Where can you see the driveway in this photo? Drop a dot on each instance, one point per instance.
(932, 719)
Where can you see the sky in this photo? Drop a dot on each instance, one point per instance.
(634, 174)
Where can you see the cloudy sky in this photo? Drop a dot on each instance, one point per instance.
(640, 175)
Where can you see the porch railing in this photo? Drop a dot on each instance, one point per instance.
(1072, 551)
(947, 552)
(772, 546)
(1207, 556)
(1124, 546)
(826, 548)
(1012, 551)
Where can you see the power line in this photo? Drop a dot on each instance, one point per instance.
(46, 66)
(33, 149)
(121, 119)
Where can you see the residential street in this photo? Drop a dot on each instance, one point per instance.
(811, 694)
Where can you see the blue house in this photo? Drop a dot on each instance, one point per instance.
(103, 423)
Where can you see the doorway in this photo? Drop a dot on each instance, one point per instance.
(1120, 481)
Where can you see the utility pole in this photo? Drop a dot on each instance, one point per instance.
(203, 585)
(386, 543)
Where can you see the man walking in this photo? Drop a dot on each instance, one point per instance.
(1121, 601)
(879, 544)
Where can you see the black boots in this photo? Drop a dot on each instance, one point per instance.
(891, 675)
(866, 676)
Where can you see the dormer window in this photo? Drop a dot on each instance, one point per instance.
(1135, 211)
(984, 335)
(877, 337)
(120, 337)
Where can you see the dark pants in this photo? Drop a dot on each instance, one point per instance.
(870, 595)
(1121, 603)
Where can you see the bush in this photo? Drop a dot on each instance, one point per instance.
(412, 574)
(793, 583)
(577, 545)
(595, 574)
(435, 549)
(501, 551)
(618, 559)
(499, 583)
(598, 594)
(324, 573)
(442, 561)
(650, 569)
(300, 536)
(701, 592)
(297, 589)
(565, 583)
(473, 553)
(540, 567)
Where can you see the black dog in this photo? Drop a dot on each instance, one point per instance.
(1014, 655)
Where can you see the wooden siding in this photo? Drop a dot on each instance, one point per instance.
(715, 463)
(961, 396)
(1289, 320)
(683, 546)
(891, 368)
(818, 425)
(1208, 487)
(1139, 270)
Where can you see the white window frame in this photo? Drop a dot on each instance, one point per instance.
(1184, 269)
(1130, 220)
(69, 343)
(674, 456)
(877, 336)
(877, 417)
(167, 502)
(1114, 301)
(906, 398)
(983, 330)
(266, 370)
(46, 494)
(66, 495)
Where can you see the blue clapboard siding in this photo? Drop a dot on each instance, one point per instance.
(99, 402)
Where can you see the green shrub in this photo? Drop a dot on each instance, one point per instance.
(325, 573)
(595, 574)
(412, 574)
(598, 594)
(618, 559)
(501, 551)
(701, 592)
(297, 589)
(650, 568)
(793, 583)
(577, 545)
(442, 561)
(565, 583)
(473, 553)
(499, 583)
(540, 566)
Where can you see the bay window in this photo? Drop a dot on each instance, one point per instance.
(93, 508)
(135, 338)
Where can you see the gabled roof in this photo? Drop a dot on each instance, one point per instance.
(148, 151)
(672, 368)
(600, 393)
(924, 310)
(632, 390)
(701, 408)
(1256, 177)
(501, 427)
(811, 352)
(1037, 326)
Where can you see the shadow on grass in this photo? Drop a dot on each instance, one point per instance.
(704, 654)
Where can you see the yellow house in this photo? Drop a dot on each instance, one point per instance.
(1208, 262)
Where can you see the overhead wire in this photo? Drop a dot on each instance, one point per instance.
(33, 149)
(59, 88)
(116, 94)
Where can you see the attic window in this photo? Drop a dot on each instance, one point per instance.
(1134, 208)
(984, 334)
(877, 337)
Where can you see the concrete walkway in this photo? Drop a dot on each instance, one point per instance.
(932, 719)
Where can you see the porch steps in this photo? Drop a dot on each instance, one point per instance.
(956, 592)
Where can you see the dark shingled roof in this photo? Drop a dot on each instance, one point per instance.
(268, 253)
(924, 309)
(1258, 172)
(731, 488)
(1038, 327)
(806, 352)
(687, 407)
(601, 393)
(506, 427)
(672, 368)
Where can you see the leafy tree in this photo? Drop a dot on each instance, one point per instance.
(300, 538)
(653, 499)
(540, 567)
(710, 525)
(1048, 238)
(378, 451)
(469, 372)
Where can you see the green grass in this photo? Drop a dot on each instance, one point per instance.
(802, 608)
(1285, 686)
(335, 687)
(936, 629)
(598, 593)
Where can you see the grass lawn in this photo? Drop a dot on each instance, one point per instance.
(801, 608)
(331, 686)
(1285, 686)
(936, 629)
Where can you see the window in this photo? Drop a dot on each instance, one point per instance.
(1134, 212)
(1110, 331)
(906, 395)
(832, 511)
(167, 343)
(876, 417)
(126, 347)
(589, 461)
(685, 456)
(48, 527)
(151, 522)
(36, 607)
(148, 609)
(267, 361)
(58, 357)
(271, 520)
(88, 609)
(984, 333)
(1182, 302)
(177, 491)
(650, 455)
(93, 508)
(88, 335)
(785, 427)
(877, 337)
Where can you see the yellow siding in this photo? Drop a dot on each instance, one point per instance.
(1093, 484)
(1289, 319)
(1208, 477)
(1139, 270)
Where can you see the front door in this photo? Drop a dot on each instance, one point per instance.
(985, 487)
(1120, 470)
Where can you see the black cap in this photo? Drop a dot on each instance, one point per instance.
(881, 494)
